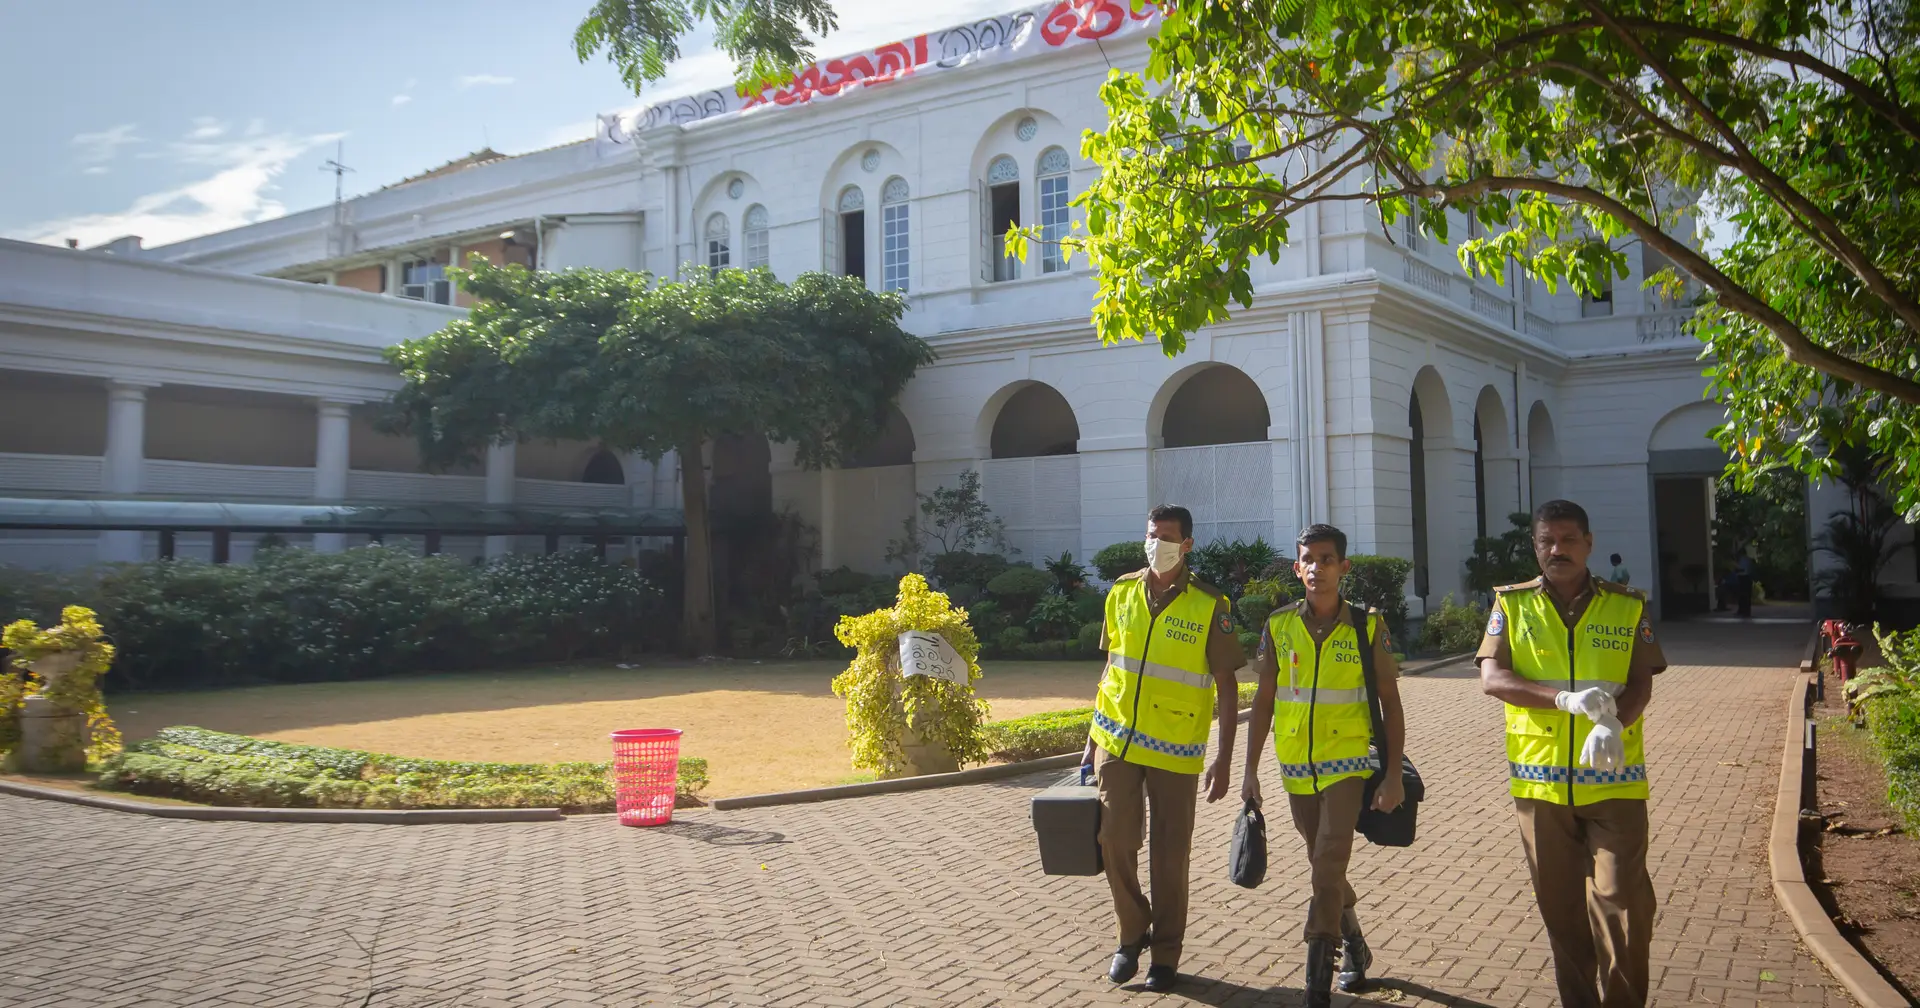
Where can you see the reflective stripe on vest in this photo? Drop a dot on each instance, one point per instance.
(1543, 746)
(1155, 706)
(1321, 723)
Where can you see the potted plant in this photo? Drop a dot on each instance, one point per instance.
(59, 716)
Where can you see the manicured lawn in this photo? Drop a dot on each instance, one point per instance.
(768, 726)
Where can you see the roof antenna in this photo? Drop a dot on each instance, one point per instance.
(337, 240)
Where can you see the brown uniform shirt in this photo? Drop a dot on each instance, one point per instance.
(1267, 661)
(1224, 653)
(1646, 654)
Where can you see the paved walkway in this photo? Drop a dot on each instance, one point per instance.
(929, 898)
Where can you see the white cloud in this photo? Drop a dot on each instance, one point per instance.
(94, 170)
(401, 99)
(104, 146)
(476, 80)
(206, 128)
(235, 193)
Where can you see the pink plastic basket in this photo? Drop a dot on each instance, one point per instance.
(646, 766)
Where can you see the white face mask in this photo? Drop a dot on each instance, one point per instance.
(1162, 555)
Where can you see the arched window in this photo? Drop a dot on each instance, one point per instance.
(1053, 210)
(603, 467)
(851, 232)
(754, 236)
(719, 249)
(893, 236)
(1000, 210)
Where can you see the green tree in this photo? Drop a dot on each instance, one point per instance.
(1770, 520)
(1503, 559)
(646, 366)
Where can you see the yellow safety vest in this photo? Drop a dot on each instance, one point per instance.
(1156, 700)
(1543, 746)
(1321, 722)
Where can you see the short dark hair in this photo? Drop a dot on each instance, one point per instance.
(1174, 512)
(1614, 559)
(1562, 510)
(1322, 532)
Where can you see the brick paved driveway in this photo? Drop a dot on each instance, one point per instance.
(930, 898)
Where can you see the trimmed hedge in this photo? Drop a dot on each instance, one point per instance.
(294, 615)
(1453, 628)
(218, 768)
(1052, 733)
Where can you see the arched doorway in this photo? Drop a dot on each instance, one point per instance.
(1209, 424)
(1543, 457)
(1683, 467)
(864, 502)
(1496, 466)
(604, 467)
(1429, 465)
(1031, 479)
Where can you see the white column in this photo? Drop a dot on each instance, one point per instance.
(125, 459)
(1307, 336)
(330, 459)
(500, 474)
(1116, 490)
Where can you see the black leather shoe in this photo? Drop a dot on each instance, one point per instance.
(1355, 960)
(1126, 961)
(1161, 979)
(1319, 973)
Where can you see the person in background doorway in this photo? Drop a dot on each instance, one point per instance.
(1171, 659)
(1619, 575)
(1574, 658)
(1322, 726)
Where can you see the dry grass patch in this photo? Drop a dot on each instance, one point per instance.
(767, 726)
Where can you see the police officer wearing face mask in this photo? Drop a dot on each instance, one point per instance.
(1171, 658)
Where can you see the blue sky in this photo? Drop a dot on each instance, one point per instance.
(173, 119)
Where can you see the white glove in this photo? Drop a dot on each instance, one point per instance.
(1594, 702)
(1604, 750)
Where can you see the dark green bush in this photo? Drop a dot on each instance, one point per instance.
(1121, 558)
(987, 618)
(1053, 618)
(218, 768)
(294, 615)
(1229, 565)
(963, 568)
(1009, 640)
(1089, 605)
(1089, 636)
(1018, 588)
(1381, 582)
(1452, 629)
(1255, 608)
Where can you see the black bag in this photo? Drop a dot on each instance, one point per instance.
(1247, 858)
(1387, 829)
(1066, 821)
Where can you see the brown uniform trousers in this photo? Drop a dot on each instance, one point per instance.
(1326, 822)
(1589, 867)
(1126, 790)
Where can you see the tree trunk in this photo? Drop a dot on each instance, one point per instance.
(697, 636)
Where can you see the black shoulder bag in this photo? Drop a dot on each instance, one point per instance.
(1387, 829)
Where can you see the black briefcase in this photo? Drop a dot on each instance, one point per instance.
(1066, 819)
(1395, 828)
(1247, 858)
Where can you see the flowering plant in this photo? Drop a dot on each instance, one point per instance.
(78, 634)
(881, 703)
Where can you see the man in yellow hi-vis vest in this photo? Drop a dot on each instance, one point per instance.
(1322, 727)
(1169, 640)
(1574, 658)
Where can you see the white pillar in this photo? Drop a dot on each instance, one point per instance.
(500, 473)
(330, 460)
(1306, 334)
(126, 457)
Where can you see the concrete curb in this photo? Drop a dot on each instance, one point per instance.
(921, 783)
(1437, 663)
(1790, 887)
(413, 817)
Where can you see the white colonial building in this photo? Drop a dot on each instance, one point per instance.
(1373, 384)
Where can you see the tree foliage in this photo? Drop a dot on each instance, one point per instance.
(639, 365)
(766, 39)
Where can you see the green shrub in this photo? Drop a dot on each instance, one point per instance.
(1050, 650)
(1452, 629)
(1039, 735)
(1249, 641)
(1255, 608)
(294, 615)
(1089, 605)
(1229, 565)
(1891, 698)
(1381, 582)
(1010, 639)
(1121, 558)
(218, 768)
(1068, 574)
(1053, 617)
(961, 567)
(1278, 583)
(1018, 588)
(1089, 636)
(987, 618)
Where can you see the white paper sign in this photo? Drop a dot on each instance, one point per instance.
(928, 654)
